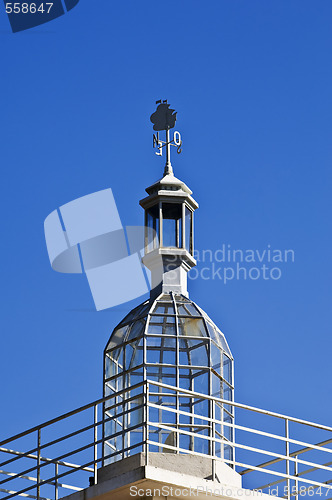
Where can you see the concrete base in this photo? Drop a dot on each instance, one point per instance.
(165, 476)
(197, 466)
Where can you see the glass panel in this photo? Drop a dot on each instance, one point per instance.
(155, 328)
(133, 314)
(182, 298)
(133, 378)
(185, 383)
(117, 337)
(152, 228)
(166, 297)
(217, 412)
(198, 356)
(153, 342)
(117, 356)
(216, 386)
(218, 337)
(183, 352)
(136, 330)
(168, 351)
(228, 396)
(179, 232)
(135, 416)
(201, 384)
(188, 235)
(192, 327)
(169, 342)
(228, 453)
(215, 357)
(201, 407)
(162, 325)
(108, 367)
(154, 355)
(160, 309)
(108, 391)
(188, 310)
(129, 354)
(227, 369)
(161, 374)
(164, 308)
(223, 341)
(228, 431)
(172, 228)
(137, 358)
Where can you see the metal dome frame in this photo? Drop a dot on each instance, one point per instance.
(168, 340)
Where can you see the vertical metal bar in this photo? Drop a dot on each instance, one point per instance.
(146, 386)
(296, 473)
(38, 463)
(222, 410)
(124, 404)
(103, 410)
(146, 423)
(168, 152)
(177, 362)
(95, 448)
(184, 229)
(103, 435)
(177, 422)
(233, 409)
(213, 442)
(191, 233)
(160, 225)
(287, 456)
(56, 492)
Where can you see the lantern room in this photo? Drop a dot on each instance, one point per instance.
(169, 225)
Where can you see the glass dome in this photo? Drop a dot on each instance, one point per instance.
(170, 341)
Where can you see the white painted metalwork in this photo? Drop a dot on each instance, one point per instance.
(270, 447)
(168, 340)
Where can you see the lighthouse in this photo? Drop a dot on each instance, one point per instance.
(169, 343)
(167, 424)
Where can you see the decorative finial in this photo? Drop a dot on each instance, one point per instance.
(164, 118)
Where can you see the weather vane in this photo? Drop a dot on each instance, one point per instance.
(164, 118)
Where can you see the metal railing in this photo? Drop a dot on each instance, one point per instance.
(268, 450)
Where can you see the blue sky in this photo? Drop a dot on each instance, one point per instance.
(251, 81)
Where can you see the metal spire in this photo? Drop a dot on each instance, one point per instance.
(164, 118)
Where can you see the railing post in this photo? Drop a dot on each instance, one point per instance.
(287, 456)
(296, 473)
(146, 423)
(177, 434)
(56, 480)
(213, 436)
(38, 463)
(95, 448)
(103, 434)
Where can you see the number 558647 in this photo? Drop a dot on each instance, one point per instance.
(25, 8)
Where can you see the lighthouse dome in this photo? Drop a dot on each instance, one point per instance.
(173, 342)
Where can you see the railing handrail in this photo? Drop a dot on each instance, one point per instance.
(167, 386)
(69, 414)
(243, 406)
